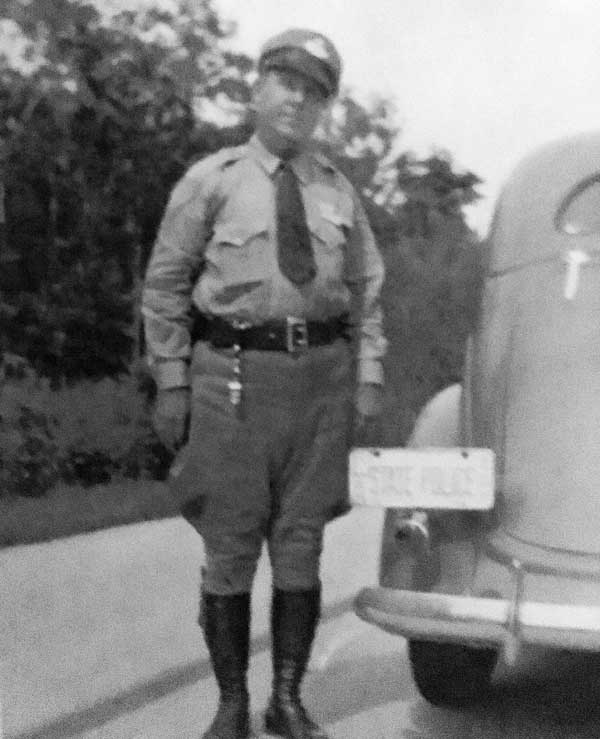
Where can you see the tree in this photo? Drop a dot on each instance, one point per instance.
(96, 133)
(433, 283)
(433, 192)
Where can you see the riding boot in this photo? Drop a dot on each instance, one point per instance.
(226, 624)
(294, 618)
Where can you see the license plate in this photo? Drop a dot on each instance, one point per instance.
(453, 478)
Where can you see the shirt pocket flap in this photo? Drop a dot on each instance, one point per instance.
(335, 215)
(239, 252)
(329, 224)
(238, 234)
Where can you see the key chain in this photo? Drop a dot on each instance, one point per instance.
(235, 385)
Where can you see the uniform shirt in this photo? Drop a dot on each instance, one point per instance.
(217, 247)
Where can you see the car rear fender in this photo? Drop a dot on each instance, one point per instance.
(438, 424)
(416, 546)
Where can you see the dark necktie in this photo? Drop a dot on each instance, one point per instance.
(294, 248)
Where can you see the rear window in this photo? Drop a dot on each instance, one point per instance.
(579, 213)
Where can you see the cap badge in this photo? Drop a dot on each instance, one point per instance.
(317, 47)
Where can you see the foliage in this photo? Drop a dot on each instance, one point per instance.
(361, 138)
(95, 135)
(430, 300)
(90, 433)
(432, 194)
(28, 460)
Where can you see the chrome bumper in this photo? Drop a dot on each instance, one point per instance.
(480, 621)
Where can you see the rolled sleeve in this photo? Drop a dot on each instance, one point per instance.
(364, 277)
(175, 261)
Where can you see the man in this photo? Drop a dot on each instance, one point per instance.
(265, 267)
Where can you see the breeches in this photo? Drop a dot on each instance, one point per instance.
(273, 468)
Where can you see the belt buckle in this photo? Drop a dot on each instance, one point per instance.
(296, 338)
(239, 324)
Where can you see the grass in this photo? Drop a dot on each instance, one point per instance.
(107, 417)
(70, 510)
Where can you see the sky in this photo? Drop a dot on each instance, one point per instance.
(486, 80)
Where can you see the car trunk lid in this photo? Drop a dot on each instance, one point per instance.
(536, 359)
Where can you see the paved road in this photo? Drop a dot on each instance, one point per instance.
(97, 641)
(95, 626)
(365, 692)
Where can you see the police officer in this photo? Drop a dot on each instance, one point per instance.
(263, 325)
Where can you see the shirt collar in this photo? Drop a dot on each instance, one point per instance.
(270, 163)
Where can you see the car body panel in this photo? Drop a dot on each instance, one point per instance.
(529, 570)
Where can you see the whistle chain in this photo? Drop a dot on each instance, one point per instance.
(235, 385)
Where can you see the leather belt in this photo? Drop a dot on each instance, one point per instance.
(290, 335)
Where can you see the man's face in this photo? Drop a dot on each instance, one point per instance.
(288, 106)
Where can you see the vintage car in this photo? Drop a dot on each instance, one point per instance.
(491, 537)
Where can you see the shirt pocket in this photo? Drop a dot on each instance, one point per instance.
(330, 230)
(239, 252)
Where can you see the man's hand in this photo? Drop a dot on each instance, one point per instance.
(368, 404)
(171, 416)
